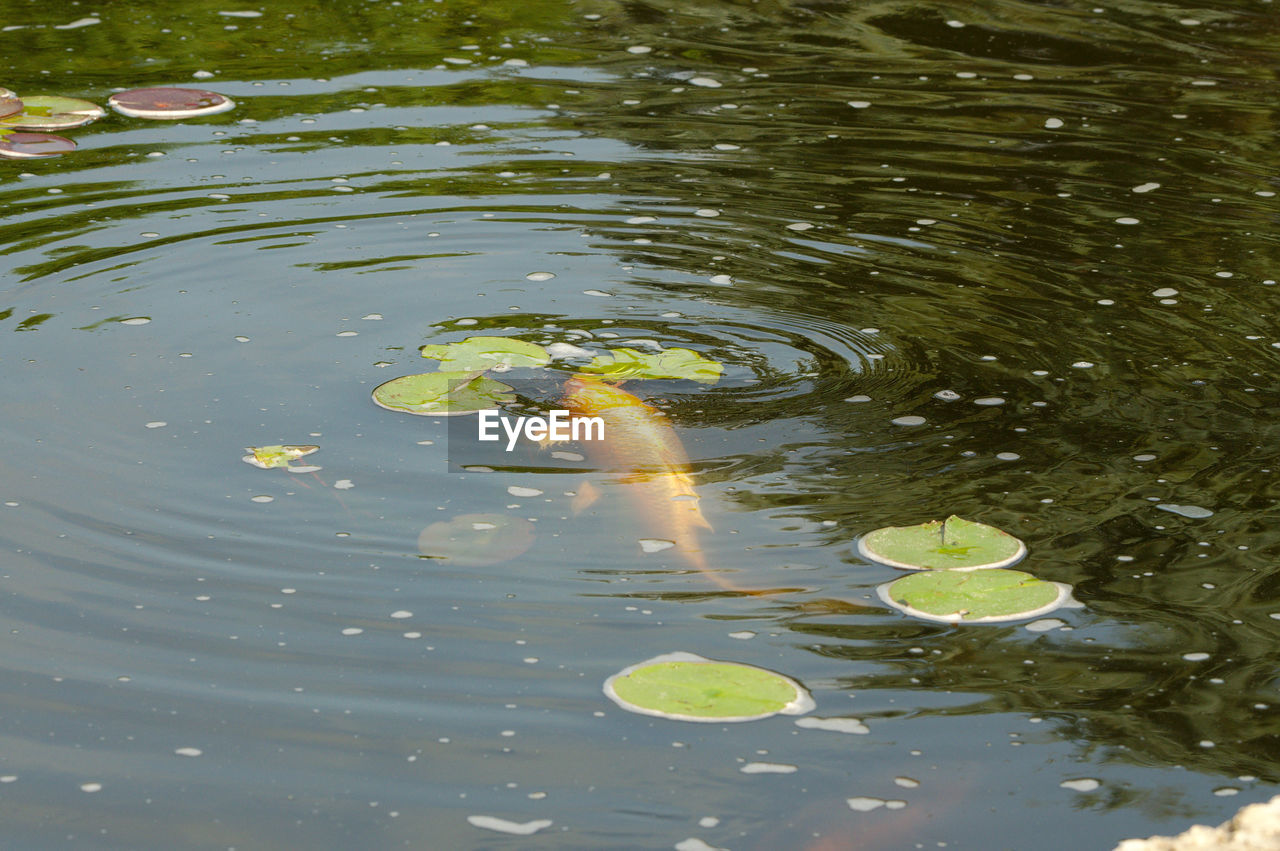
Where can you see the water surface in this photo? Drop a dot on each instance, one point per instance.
(867, 212)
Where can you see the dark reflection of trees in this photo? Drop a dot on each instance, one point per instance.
(1134, 696)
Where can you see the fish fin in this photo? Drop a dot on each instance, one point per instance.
(586, 497)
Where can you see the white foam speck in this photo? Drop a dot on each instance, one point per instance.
(78, 23)
(503, 826)
(516, 490)
(1084, 784)
(835, 725)
(693, 843)
(767, 768)
(1195, 512)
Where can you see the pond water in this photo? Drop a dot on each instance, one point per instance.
(1047, 232)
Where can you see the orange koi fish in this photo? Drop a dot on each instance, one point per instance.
(640, 442)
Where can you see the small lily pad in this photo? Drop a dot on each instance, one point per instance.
(494, 354)
(169, 103)
(622, 363)
(53, 113)
(16, 145)
(9, 103)
(687, 687)
(951, 544)
(980, 596)
(476, 540)
(442, 394)
(278, 455)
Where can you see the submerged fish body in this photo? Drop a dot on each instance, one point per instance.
(640, 443)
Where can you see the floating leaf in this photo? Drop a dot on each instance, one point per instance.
(53, 113)
(9, 104)
(169, 103)
(979, 596)
(620, 364)
(494, 354)
(278, 455)
(20, 146)
(688, 687)
(952, 544)
(442, 394)
(476, 540)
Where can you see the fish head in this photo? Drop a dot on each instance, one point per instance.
(587, 394)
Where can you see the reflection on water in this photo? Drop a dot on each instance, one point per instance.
(881, 218)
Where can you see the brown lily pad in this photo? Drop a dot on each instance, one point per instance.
(169, 103)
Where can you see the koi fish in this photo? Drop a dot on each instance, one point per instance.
(640, 442)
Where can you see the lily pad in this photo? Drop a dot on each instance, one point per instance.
(621, 364)
(9, 103)
(982, 596)
(277, 455)
(53, 113)
(687, 687)
(494, 354)
(476, 540)
(442, 394)
(951, 544)
(16, 145)
(169, 103)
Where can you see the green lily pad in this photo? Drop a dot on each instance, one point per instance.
(442, 394)
(688, 687)
(980, 596)
(278, 455)
(476, 540)
(44, 112)
(493, 354)
(951, 544)
(621, 364)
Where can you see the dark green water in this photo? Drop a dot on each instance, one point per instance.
(838, 200)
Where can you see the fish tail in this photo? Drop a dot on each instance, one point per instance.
(695, 557)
